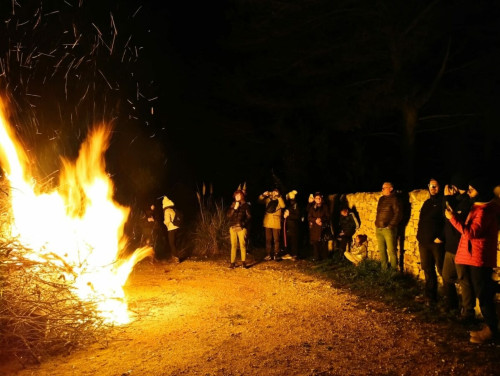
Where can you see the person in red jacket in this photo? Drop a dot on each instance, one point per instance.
(477, 253)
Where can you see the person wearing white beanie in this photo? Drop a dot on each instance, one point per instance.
(169, 218)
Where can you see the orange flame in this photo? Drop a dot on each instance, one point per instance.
(78, 221)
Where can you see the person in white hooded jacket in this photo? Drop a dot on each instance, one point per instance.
(169, 214)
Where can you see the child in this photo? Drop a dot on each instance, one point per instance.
(359, 250)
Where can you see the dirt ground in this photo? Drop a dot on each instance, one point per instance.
(201, 318)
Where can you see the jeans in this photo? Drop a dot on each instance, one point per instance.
(485, 289)
(467, 289)
(386, 240)
(431, 258)
(450, 277)
(238, 235)
(171, 242)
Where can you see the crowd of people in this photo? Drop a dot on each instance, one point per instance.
(457, 238)
(159, 230)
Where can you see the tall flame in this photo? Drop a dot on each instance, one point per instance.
(78, 221)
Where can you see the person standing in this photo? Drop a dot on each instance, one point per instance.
(291, 226)
(317, 217)
(458, 200)
(152, 231)
(430, 238)
(274, 205)
(348, 224)
(477, 253)
(389, 214)
(239, 218)
(169, 214)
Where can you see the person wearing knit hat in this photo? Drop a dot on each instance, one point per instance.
(239, 218)
(480, 190)
(477, 254)
(456, 198)
(169, 214)
(291, 226)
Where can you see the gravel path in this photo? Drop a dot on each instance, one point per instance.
(201, 318)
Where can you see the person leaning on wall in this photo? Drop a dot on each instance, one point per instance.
(389, 214)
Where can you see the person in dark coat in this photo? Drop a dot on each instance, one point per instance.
(318, 218)
(291, 226)
(430, 238)
(239, 219)
(151, 231)
(457, 199)
(348, 224)
(389, 214)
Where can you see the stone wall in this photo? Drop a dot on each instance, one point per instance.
(365, 205)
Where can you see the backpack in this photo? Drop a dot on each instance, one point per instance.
(272, 206)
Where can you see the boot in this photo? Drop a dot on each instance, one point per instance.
(481, 336)
(244, 264)
(232, 265)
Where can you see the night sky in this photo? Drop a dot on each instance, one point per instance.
(336, 96)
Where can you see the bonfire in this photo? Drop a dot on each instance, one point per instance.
(63, 263)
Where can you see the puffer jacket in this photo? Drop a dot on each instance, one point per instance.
(239, 217)
(479, 240)
(389, 211)
(273, 220)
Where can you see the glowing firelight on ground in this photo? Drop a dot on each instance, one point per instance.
(78, 221)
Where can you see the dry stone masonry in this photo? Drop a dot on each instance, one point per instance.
(365, 204)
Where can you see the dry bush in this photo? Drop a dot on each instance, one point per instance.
(210, 237)
(40, 314)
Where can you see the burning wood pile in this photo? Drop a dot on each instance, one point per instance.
(40, 314)
(63, 263)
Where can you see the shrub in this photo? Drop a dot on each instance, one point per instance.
(210, 236)
(40, 314)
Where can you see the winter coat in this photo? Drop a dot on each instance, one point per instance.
(389, 212)
(359, 250)
(293, 219)
(314, 212)
(431, 220)
(479, 240)
(239, 217)
(272, 220)
(461, 205)
(168, 217)
(348, 224)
